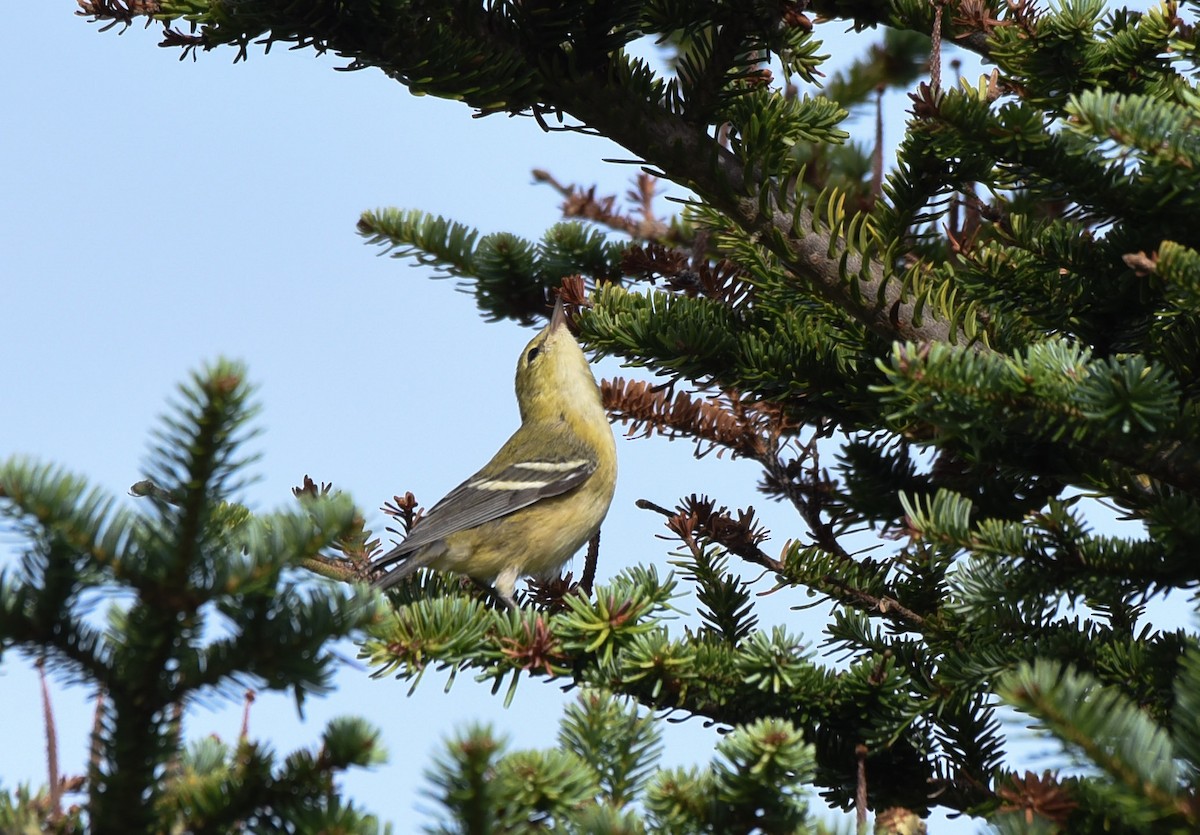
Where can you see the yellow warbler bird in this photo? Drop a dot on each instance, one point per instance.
(541, 496)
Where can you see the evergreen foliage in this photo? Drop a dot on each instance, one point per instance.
(204, 599)
(996, 331)
(603, 779)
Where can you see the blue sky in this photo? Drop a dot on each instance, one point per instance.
(156, 214)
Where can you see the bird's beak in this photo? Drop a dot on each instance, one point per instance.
(558, 319)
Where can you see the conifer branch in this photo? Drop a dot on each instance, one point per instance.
(738, 537)
(806, 248)
(748, 429)
(122, 12)
(583, 203)
(724, 281)
(885, 605)
(697, 515)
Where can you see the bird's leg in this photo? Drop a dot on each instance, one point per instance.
(504, 585)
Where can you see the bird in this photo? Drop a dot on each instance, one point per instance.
(543, 494)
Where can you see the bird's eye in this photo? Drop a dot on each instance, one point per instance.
(533, 352)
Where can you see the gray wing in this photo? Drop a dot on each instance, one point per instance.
(486, 496)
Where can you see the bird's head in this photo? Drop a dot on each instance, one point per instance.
(553, 375)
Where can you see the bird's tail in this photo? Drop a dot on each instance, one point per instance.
(406, 563)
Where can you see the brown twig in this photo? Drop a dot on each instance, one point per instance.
(883, 604)
(175, 723)
(55, 779)
(589, 565)
(808, 496)
(877, 154)
(860, 791)
(247, 701)
(935, 51)
(95, 752)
